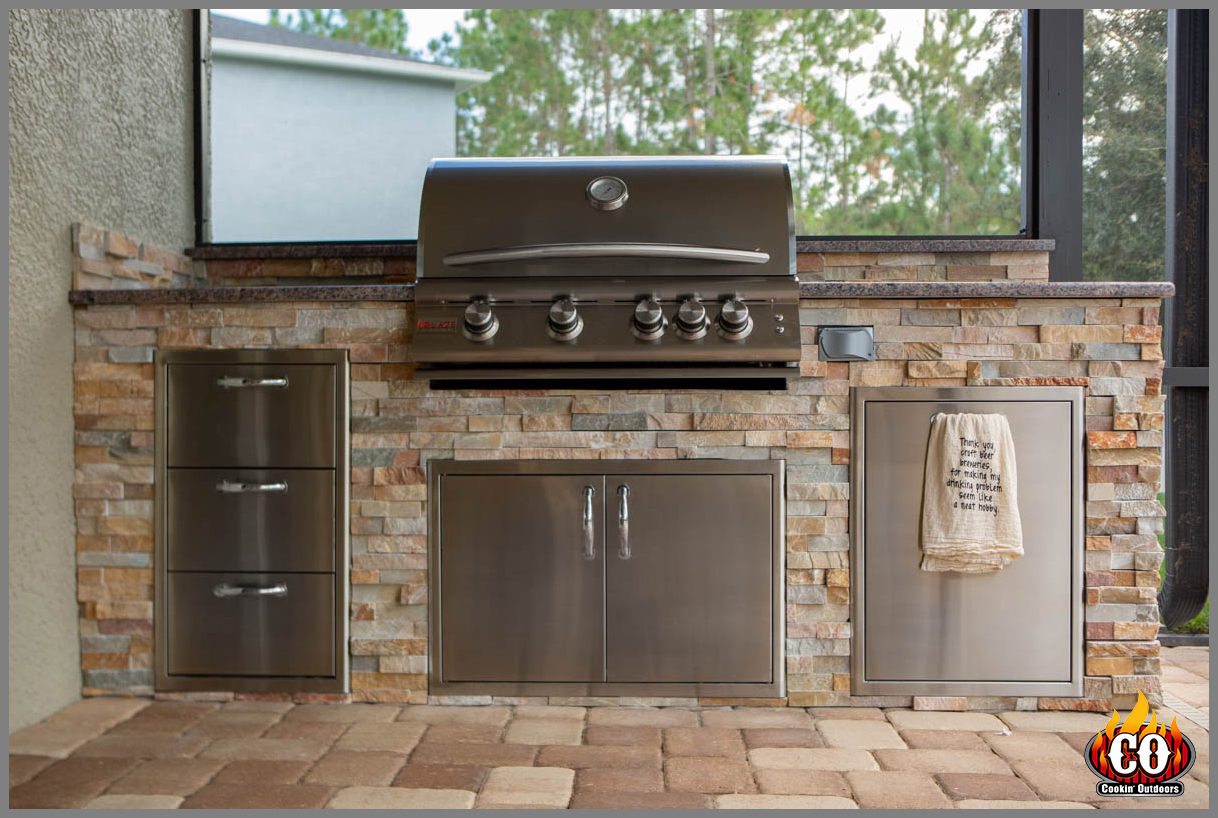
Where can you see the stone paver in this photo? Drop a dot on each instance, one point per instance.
(781, 737)
(326, 731)
(802, 782)
(462, 734)
(942, 740)
(640, 800)
(984, 786)
(936, 720)
(271, 749)
(343, 769)
(52, 739)
(544, 731)
(641, 736)
(859, 734)
(70, 783)
(441, 777)
(782, 802)
(942, 761)
(22, 768)
(620, 779)
(550, 711)
(606, 755)
(821, 758)
(394, 737)
(847, 713)
(896, 790)
(400, 798)
(134, 802)
(256, 771)
(643, 717)
(978, 804)
(757, 717)
(167, 776)
(708, 775)
(703, 741)
(439, 714)
(102, 711)
(1052, 721)
(524, 787)
(1033, 746)
(143, 747)
(478, 755)
(343, 713)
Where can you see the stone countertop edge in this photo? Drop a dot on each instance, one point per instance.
(409, 249)
(807, 290)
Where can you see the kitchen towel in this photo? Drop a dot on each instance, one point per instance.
(970, 513)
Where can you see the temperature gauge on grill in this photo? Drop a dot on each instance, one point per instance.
(606, 193)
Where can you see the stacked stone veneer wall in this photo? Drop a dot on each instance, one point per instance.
(108, 260)
(1109, 345)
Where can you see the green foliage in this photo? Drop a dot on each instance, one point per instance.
(379, 28)
(1124, 144)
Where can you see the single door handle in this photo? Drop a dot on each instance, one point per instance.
(226, 590)
(233, 382)
(589, 533)
(237, 487)
(623, 523)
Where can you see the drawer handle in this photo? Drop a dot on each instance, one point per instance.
(589, 533)
(623, 523)
(226, 590)
(236, 487)
(233, 382)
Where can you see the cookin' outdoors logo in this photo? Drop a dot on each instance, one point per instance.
(1139, 757)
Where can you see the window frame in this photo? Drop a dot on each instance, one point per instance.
(1050, 193)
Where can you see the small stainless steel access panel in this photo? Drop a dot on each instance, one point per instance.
(252, 482)
(651, 578)
(1015, 632)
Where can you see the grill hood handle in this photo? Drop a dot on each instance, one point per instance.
(535, 252)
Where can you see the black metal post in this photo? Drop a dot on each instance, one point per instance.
(1053, 135)
(1186, 581)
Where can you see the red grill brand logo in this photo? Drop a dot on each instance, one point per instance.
(436, 326)
(1139, 757)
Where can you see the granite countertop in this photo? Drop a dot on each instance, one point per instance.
(815, 289)
(409, 249)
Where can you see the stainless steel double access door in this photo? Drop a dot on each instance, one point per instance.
(614, 578)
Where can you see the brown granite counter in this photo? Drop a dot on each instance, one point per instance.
(816, 289)
(409, 249)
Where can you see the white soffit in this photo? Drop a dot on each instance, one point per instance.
(462, 78)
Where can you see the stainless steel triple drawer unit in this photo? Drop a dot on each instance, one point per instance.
(251, 520)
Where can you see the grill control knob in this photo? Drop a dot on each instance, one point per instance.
(647, 324)
(480, 323)
(691, 320)
(564, 323)
(735, 323)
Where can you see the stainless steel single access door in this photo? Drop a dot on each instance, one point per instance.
(688, 578)
(522, 577)
(1016, 631)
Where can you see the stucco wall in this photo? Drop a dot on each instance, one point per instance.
(100, 130)
(310, 154)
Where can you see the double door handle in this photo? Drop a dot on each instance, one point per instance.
(623, 523)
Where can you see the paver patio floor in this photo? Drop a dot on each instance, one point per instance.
(132, 753)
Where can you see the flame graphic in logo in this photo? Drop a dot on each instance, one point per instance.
(1125, 755)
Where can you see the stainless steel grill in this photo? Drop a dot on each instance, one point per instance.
(616, 269)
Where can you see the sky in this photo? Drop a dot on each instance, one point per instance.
(424, 25)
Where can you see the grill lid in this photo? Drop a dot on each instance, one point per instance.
(605, 216)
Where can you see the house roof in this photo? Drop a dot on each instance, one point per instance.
(238, 38)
